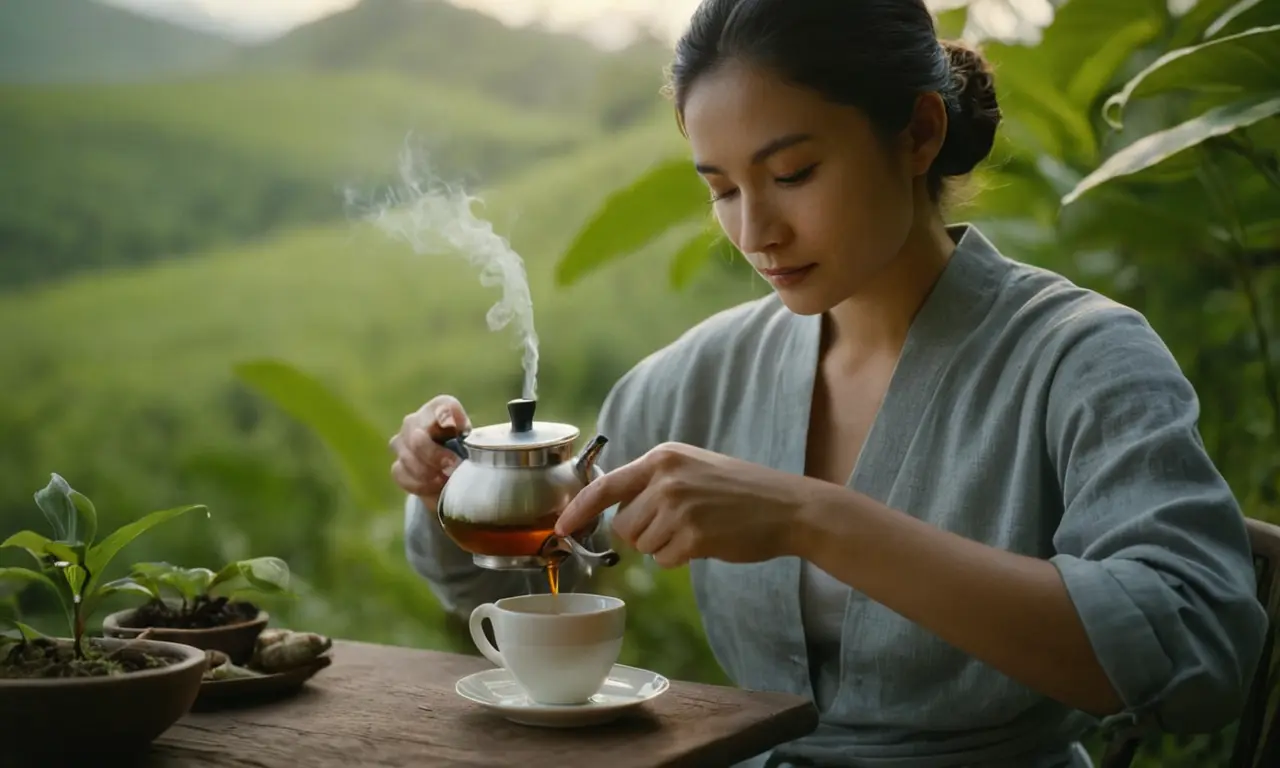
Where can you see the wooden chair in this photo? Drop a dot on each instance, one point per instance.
(1257, 742)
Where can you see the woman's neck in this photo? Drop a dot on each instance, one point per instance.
(875, 320)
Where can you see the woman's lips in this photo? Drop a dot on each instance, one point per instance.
(782, 277)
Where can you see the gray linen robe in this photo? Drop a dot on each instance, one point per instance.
(1025, 412)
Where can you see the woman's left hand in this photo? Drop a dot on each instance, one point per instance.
(678, 502)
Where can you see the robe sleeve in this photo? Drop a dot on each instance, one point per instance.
(1152, 544)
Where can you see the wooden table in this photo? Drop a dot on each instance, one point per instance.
(387, 706)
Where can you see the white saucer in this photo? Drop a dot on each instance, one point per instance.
(624, 689)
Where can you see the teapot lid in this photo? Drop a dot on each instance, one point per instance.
(522, 433)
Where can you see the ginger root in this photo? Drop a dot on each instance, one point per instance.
(279, 650)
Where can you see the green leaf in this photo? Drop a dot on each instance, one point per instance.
(1158, 148)
(266, 574)
(28, 632)
(1088, 40)
(1190, 27)
(1228, 67)
(101, 554)
(1038, 107)
(88, 515)
(361, 450)
(190, 583)
(64, 553)
(18, 579)
(1093, 73)
(1244, 15)
(32, 542)
(64, 516)
(668, 194)
(700, 249)
(129, 585)
(75, 576)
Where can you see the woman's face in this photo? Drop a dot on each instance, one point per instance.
(803, 187)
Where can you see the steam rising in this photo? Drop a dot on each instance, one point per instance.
(436, 219)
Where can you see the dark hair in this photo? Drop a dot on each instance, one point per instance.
(877, 55)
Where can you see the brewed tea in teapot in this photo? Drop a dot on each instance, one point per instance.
(502, 501)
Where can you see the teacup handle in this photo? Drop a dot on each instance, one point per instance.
(482, 612)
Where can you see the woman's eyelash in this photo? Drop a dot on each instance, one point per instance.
(795, 178)
(798, 176)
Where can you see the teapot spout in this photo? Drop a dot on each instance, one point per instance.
(586, 459)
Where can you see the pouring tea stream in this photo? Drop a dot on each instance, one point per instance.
(515, 479)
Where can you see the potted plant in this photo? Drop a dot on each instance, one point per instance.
(201, 608)
(123, 693)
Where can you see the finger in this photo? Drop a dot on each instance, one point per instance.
(622, 484)
(636, 516)
(674, 553)
(415, 466)
(430, 453)
(446, 418)
(408, 481)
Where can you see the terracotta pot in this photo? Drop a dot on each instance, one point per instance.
(235, 640)
(91, 716)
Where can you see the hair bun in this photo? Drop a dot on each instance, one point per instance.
(972, 115)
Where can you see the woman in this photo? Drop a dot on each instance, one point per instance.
(958, 500)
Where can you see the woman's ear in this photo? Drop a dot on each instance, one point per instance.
(926, 131)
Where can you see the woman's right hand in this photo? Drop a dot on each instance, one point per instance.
(422, 464)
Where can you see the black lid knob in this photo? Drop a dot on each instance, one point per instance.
(521, 412)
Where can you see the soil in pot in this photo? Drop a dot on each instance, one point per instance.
(204, 612)
(44, 658)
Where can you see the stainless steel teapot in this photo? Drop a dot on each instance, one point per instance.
(502, 501)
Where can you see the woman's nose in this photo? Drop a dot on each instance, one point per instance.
(759, 227)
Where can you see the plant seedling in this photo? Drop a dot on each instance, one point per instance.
(73, 561)
(207, 598)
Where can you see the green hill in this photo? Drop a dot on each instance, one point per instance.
(528, 66)
(124, 383)
(80, 41)
(100, 176)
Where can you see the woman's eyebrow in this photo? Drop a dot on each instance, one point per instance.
(764, 153)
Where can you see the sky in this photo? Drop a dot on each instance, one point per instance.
(608, 22)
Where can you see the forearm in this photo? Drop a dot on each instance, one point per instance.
(1010, 611)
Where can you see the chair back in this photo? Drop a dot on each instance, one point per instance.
(1257, 742)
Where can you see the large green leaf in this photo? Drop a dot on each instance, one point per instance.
(1193, 25)
(1094, 72)
(1229, 67)
(1088, 40)
(265, 574)
(700, 249)
(14, 580)
(1244, 15)
(1038, 110)
(667, 195)
(1151, 151)
(31, 541)
(131, 586)
(360, 448)
(101, 554)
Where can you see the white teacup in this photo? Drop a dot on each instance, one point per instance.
(559, 648)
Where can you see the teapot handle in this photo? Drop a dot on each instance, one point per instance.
(455, 445)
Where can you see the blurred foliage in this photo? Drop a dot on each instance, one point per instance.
(108, 177)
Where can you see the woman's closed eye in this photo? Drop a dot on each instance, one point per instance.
(799, 177)
(790, 180)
